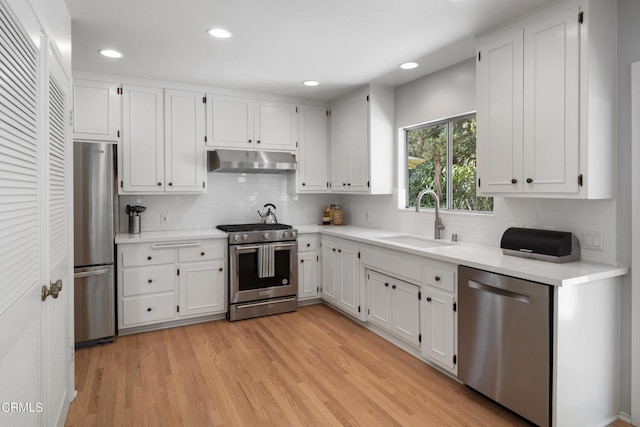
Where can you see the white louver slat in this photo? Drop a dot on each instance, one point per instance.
(57, 174)
(19, 230)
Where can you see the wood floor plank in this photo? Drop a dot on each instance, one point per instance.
(313, 367)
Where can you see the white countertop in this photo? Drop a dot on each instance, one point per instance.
(172, 235)
(477, 256)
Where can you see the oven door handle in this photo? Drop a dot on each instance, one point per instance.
(277, 246)
(253, 248)
(244, 248)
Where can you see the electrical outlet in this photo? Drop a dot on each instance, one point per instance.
(592, 240)
(164, 218)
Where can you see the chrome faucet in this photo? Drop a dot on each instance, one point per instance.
(438, 225)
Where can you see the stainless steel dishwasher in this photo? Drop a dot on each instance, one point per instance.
(505, 341)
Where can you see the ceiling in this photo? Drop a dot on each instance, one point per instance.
(277, 44)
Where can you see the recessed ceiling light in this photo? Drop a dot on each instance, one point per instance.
(219, 33)
(110, 53)
(310, 83)
(409, 65)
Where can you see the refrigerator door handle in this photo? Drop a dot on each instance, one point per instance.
(90, 273)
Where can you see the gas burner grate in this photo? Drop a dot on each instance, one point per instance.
(235, 228)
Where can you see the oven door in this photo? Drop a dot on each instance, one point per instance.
(263, 271)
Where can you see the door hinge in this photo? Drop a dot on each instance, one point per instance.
(368, 311)
(296, 110)
(178, 308)
(317, 258)
(204, 99)
(205, 138)
(479, 56)
(296, 144)
(118, 134)
(367, 98)
(455, 359)
(368, 276)
(178, 272)
(580, 180)
(368, 184)
(419, 337)
(328, 113)
(119, 91)
(420, 296)
(71, 118)
(455, 306)
(121, 184)
(581, 18)
(479, 185)
(358, 255)
(358, 309)
(203, 186)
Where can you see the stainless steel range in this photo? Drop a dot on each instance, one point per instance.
(263, 269)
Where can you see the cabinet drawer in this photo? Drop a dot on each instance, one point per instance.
(442, 279)
(148, 280)
(307, 243)
(149, 308)
(151, 257)
(201, 253)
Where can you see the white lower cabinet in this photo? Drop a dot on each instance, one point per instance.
(395, 306)
(438, 332)
(308, 271)
(164, 282)
(341, 275)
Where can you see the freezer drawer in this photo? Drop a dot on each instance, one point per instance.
(505, 341)
(94, 304)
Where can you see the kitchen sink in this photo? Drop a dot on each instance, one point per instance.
(415, 241)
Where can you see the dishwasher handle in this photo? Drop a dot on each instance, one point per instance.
(526, 299)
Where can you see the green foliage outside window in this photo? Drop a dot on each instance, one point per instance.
(433, 151)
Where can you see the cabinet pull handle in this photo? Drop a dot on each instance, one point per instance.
(159, 184)
(308, 245)
(428, 299)
(529, 180)
(149, 281)
(514, 181)
(220, 269)
(334, 249)
(301, 260)
(437, 278)
(201, 253)
(149, 257)
(250, 141)
(148, 308)
(340, 250)
(304, 183)
(393, 286)
(348, 184)
(344, 183)
(258, 141)
(171, 184)
(386, 285)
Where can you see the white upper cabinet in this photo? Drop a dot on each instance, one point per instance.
(162, 146)
(185, 155)
(545, 91)
(97, 111)
(229, 122)
(142, 150)
(243, 123)
(312, 150)
(362, 142)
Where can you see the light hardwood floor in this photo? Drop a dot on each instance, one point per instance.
(313, 367)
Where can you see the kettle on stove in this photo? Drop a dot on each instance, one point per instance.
(269, 217)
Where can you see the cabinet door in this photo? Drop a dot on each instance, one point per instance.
(379, 291)
(406, 311)
(551, 108)
(185, 168)
(499, 75)
(229, 122)
(276, 125)
(202, 287)
(349, 278)
(97, 111)
(357, 144)
(329, 270)
(339, 148)
(142, 153)
(307, 275)
(312, 159)
(438, 323)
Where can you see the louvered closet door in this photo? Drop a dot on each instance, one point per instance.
(56, 336)
(20, 238)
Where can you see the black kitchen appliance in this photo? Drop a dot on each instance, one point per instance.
(263, 269)
(544, 245)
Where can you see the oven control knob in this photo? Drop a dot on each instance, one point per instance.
(266, 235)
(245, 237)
(236, 237)
(285, 234)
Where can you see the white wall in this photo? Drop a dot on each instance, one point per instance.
(451, 92)
(231, 198)
(628, 52)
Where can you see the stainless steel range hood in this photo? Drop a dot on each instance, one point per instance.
(251, 161)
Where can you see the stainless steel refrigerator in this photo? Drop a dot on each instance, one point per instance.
(94, 276)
